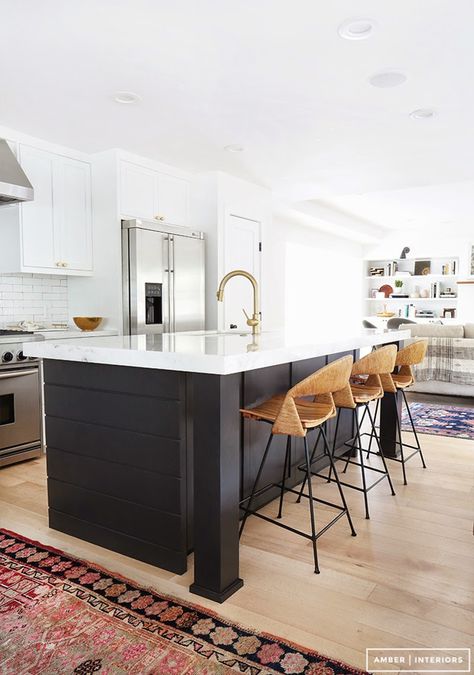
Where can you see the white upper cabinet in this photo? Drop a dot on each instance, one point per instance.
(53, 233)
(137, 191)
(153, 195)
(38, 240)
(73, 213)
(173, 200)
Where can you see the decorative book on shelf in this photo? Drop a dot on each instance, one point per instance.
(422, 267)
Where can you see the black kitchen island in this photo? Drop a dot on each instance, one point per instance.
(147, 452)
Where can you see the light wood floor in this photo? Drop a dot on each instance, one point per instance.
(405, 580)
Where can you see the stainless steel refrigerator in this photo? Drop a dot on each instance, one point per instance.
(163, 278)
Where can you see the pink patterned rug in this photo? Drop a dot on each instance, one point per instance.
(61, 615)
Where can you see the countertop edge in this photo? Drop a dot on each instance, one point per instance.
(208, 364)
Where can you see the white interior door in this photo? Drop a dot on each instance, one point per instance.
(242, 251)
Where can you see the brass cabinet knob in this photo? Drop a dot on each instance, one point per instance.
(159, 218)
(64, 264)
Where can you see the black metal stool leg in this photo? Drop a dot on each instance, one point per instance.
(289, 456)
(362, 467)
(333, 443)
(399, 429)
(373, 432)
(353, 446)
(283, 478)
(311, 505)
(303, 484)
(382, 456)
(254, 488)
(339, 487)
(413, 428)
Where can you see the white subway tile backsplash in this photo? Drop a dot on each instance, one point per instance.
(33, 297)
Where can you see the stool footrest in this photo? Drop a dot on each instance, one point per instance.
(294, 530)
(351, 485)
(398, 459)
(287, 489)
(350, 461)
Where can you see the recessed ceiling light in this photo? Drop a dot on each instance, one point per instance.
(357, 29)
(126, 97)
(423, 114)
(234, 147)
(388, 78)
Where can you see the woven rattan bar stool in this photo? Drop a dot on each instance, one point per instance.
(306, 406)
(400, 381)
(376, 368)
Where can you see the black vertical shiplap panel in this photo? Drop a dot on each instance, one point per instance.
(118, 458)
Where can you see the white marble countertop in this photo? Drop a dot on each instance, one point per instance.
(209, 351)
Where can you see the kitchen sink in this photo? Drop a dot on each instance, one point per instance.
(221, 332)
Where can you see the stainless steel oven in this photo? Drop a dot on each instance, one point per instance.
(20, 405)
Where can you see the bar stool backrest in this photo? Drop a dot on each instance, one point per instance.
(378, 365)
(410, 356)
(321, 385)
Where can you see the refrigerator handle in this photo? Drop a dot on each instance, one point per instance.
(166, 284)
(172, 290)
(130, 283)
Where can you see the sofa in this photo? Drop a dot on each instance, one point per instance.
(449, 364)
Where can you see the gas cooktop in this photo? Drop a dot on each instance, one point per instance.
(6, 331)
(11, 346)
(15, 338)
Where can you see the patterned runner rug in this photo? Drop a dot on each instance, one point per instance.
(442, 420)
(61, 615)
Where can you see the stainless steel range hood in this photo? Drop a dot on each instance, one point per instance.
(14, 185)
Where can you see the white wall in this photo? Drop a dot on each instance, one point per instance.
(313, 294)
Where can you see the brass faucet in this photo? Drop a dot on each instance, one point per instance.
(254, 322)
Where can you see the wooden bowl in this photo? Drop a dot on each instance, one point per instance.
(87, 322)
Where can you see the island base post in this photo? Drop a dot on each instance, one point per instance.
(217, 425)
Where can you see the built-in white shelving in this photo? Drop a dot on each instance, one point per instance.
(441, 276)
(415, 276)
(405, 300)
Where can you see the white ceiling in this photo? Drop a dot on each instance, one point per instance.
(272, 75)
(445, 209)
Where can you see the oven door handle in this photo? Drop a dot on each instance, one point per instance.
(23, 373)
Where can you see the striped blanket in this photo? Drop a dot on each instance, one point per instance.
(448, 360)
